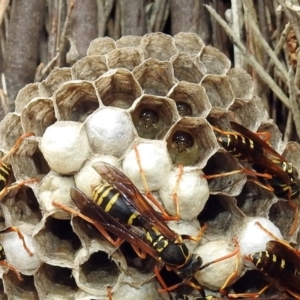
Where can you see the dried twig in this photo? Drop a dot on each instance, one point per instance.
(251, 59)
(3, 7)
(294, 95)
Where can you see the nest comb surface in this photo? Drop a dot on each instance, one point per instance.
(159, 93)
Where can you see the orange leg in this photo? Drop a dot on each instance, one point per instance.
(245, 171)
(21, 237)
(277, 239)
(16, 185)
(6, 264)
(250, 295)
(16, 145)
(109, 293)
(175, 195)
(115, 243)
(165, 215)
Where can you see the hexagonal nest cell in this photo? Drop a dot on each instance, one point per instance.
(155, 107)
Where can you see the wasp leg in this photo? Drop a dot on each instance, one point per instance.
(6, 264)
(250, 295)
(15, 185)
(169, 289)
(149, 195)
(245, 171)
(109, 293)
(16, 146)
(233, 275)
(277, 239)
(175, 195)
(20, 235)
(195, 238)
(141, 254)
(115, 243)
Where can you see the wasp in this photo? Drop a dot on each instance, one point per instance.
(6, 172)
(273, 172)
(126, 214)
(3, 261)
(281, 266)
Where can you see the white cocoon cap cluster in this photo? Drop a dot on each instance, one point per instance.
(155, 161)
(110, 131)
(16, 255)
(253, 239)
(215, 275)
(65, 147)
(192, 193)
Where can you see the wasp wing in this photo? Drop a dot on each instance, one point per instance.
(264, 161)
(101, 218)
(147, 215)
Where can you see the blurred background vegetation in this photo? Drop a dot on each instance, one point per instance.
(259, 36)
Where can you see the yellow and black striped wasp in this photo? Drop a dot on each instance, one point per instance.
(272, 171)
(130, 217)
(6, 172)
(281, 266)
(119, 208)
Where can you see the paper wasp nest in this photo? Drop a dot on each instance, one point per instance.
(156, 94)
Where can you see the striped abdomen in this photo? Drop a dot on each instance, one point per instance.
(114, 203)
(272, 265)
(5, 175)
(239, 146)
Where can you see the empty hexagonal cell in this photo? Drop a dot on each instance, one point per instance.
(128, 41)
(221, 118)
(246, 113)
(256, 201)
(241, 83)
(135, 285)
(127, 58)
(282, 215)
(191, 99)
(188, 42)
(218, 90)
(58, 76)
(40, 110)
(188, 68)
(25, 95)
(158, 45)
(56, 242)
(101, 46)
(75, 101)
(118, 88)
(153, 116)
(97, 273)
(215, 61)
(154, 76)
(57, 283)
(191, 141)
(10, 131)
(89, 67)
(22, 207)
(20, 289)
(219, 163)
(291, 153)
